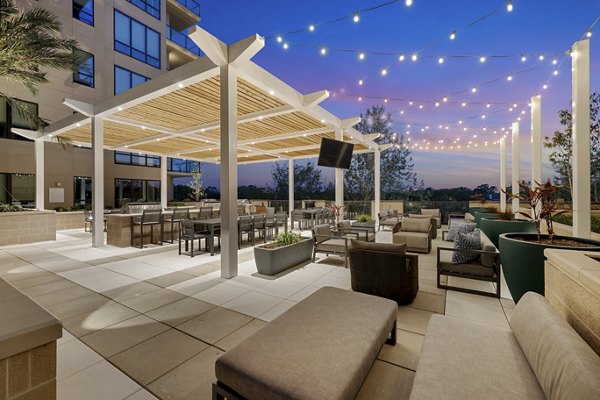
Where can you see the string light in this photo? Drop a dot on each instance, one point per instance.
(482, 59)
(279, 39)
(509, 6)
(323, 51)
(401, 58)
(356, 17)
(441, 60)
(523, 58)
(509, 78)
(414, 57)
(588, 34)
(474, 90)
(361, 82)
(408, 3)
(541, 57)
(453, 35)
(285, 46)
(384, 71)
(311, 28)
(361, 56)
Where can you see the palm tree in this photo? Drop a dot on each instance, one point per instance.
(30, 43)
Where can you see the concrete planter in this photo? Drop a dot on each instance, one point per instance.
(523, 261)
(273, 261)
(27, 227)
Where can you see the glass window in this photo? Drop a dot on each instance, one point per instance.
(17, 118)
(138, 159)
(136, 190)
(83, 10)
(125, 79)
(136, 40)
(82, 188)
(17, 189)
(84, 73)
(152, 7)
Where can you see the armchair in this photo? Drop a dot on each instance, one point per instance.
(362, 233)
(326, 242)
(416, 233)
(433, 213)
(384, 270)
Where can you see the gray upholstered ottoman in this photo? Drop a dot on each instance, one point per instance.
(322, 348)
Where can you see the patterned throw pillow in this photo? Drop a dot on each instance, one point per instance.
(462, 227)
(471, 241)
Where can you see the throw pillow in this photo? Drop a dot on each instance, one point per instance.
(456, 227)
(470, 241)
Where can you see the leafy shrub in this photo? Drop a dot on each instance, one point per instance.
(284, 239)
(364, 218)
(506, 216)
(10, 208)
(567, 219)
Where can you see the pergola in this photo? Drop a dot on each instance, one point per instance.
(221, 108)
(224, 108)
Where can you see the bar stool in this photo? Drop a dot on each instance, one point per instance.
(149, 218)
(179, 214)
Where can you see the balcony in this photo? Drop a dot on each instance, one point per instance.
(183, 13)
(180, 48)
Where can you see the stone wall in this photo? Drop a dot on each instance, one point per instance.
(573, 288)
(27, 227)
(29, 375)
(69, 220)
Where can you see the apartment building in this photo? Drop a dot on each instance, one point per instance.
(125, 43)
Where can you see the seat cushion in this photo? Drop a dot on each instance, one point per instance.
(465, 360)
(333, 245)
(413, 240)
(566, 366)
(321, 348)
(385, 247)
(468, 241)
(416, 224)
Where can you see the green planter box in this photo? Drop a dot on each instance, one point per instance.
(493, 228)
(523, 261)
(274, 261)
(478, 215)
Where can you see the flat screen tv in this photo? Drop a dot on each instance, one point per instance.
(335, 153)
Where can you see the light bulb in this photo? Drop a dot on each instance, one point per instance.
(509, 6)
(401, 58)
(361, 56)
(323, 51)
(414, 57)
(482, 59)
(541, 57)
(437, 103)
(360, 99)
(464, 104)
(555, 72)
(588, 34)
(554, 62)
(488, 105)
(453, 35)
(483, 117)
(408, 3)
(285, 46)
(385, 100)
(474, 90)
(441, 60)
(384, 72)
(311, 28)
(460, 122)
(523, 58)
(509, 78)
(421, 106)
(360, 82)
(445, 99)
(356, 17)
(545, 86)
(279, 39)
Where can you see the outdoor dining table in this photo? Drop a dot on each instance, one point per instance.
(211, 223)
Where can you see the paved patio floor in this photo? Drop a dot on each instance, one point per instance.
(146, 324)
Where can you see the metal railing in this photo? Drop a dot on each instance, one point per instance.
(182, 40)
(352, 209)
(191, 5)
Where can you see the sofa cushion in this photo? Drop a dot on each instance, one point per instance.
(333, 245)
(385, 247)
(455, 227)
(469, 241)
(321, 348)
(487, 245)
(415, 241)
(466, 360)
(434, 212)
(415, 225)
(566, 367)
(419, 216)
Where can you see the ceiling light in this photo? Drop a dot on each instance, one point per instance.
(464, 104)
(588, 34)
(180, 85)
(541, 57)
(120, 108)
(445, 99)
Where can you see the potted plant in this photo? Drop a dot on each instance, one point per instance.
(522, 254)
(362, 218)
(287, 250)
(505, 222)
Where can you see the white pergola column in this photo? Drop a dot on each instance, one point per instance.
(377, 156)
(39, 174)
(515, 166)
(229, 174)
(502, 174)
(290, 187)
(98, 182)
(536, 140)
(580, 57)
(339, 175)
(164, 184)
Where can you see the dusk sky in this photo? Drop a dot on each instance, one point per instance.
(533, 28)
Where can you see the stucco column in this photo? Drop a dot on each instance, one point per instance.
(164, 184)
(229, 174)
(502, 174)
(98, 182)
(515, 166)
(580, 58)
(290, 187)
(40, 189)
(377, 156)
(339, 175)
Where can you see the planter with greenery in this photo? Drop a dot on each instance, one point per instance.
(484, 214)
(288, 250)
(362, 218)
(522, 254)
(504, 223)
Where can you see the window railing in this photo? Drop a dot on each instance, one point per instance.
(182, 40)
(191, 5)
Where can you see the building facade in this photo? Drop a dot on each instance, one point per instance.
(124, 44)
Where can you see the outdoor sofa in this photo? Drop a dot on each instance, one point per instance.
(539, 357)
